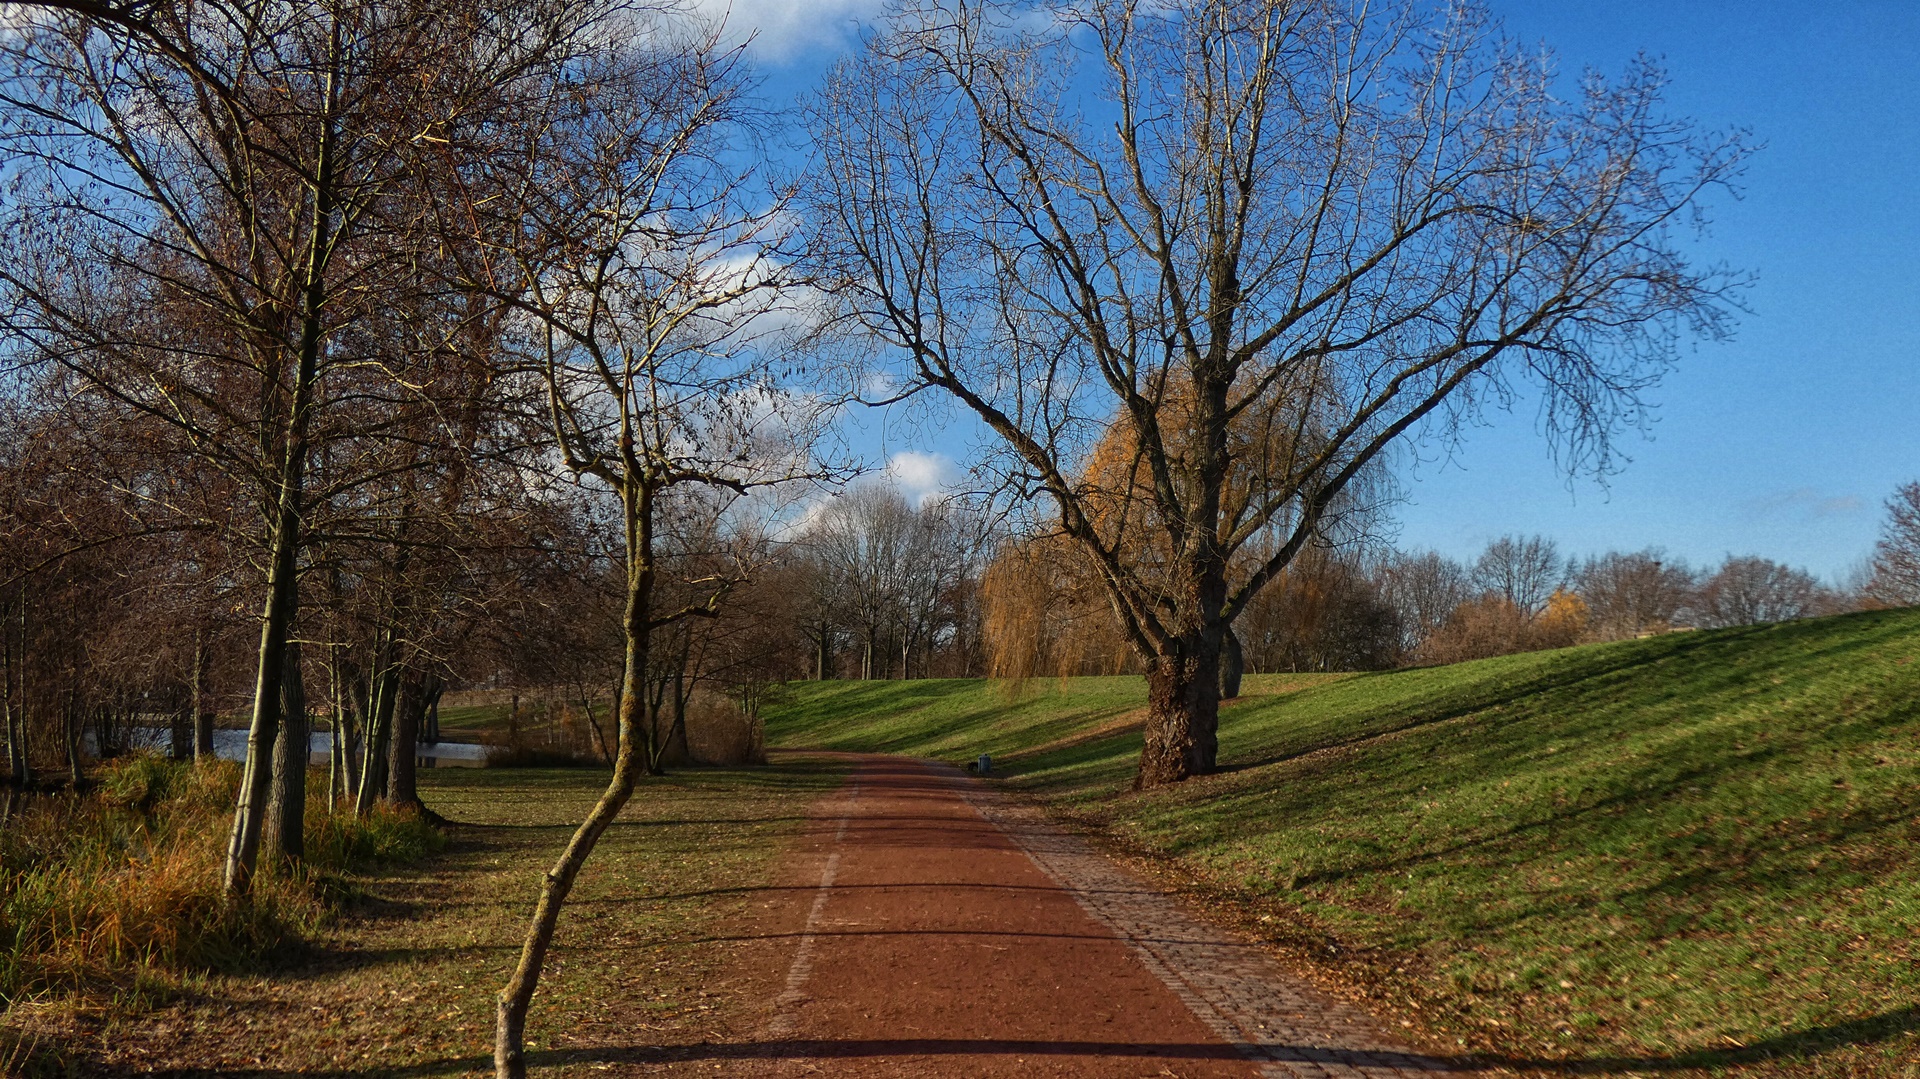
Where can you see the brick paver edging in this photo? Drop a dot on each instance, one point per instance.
(1292, 1029)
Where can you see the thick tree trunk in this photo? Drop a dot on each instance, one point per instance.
(284, 835)
(403, 748)
(1183, 711)
(509, 1057)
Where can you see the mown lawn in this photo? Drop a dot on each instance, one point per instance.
(1696, 850)
(404, 981)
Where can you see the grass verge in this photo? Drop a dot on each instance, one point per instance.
(402, 980)
(116, 893)
(1688, 853)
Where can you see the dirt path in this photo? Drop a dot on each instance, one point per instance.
(953, 932)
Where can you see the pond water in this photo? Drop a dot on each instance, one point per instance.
(232, 746)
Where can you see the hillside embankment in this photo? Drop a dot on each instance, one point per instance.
(1695, 851)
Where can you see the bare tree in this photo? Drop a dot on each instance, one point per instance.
(864, 542)
(1323, 614)
(1425, 588)
(1629, 595)
(614, 221)
(1896, 556)
(207, 206)
(1751, 590)
(1167, 215)
(1524, 571)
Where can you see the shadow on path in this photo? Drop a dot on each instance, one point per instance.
(1797, 1044)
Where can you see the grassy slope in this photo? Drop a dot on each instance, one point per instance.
(1693, 849)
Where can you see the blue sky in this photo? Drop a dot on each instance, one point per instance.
(1782, 442)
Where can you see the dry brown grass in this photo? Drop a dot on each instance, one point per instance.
(116, 895)
(403, 977)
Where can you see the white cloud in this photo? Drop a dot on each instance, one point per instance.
(918, 475)
(781, 28)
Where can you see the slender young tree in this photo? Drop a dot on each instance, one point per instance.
(622, 233)
(1361, 223)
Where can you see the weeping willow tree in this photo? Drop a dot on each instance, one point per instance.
(1046, 610)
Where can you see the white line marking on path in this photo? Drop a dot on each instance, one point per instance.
(783, 1022)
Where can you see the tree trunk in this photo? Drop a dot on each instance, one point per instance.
(256, 778)
(1233, 665)
(676, 748)
(73, 731)
(430, 715)
(509, 1057)
(593, 722)
(336, 744)
(373, 769)
(823, 655)
(283, 592)
(359, 727)
(16, 748)
(403, 748)
(180, 733)
(1183, 711)
(202, 715)
(284, 831)
(19, 761)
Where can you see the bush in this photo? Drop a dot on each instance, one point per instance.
(719, 731)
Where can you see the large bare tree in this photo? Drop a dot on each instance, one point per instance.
(1356, 223)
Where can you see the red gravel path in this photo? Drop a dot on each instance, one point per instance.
(954, 933)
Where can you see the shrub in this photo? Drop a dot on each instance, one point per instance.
(719, 731)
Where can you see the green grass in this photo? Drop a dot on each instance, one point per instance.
(476, 717)
(1689, 851)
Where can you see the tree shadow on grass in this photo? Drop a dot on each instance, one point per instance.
(1790, 1047)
